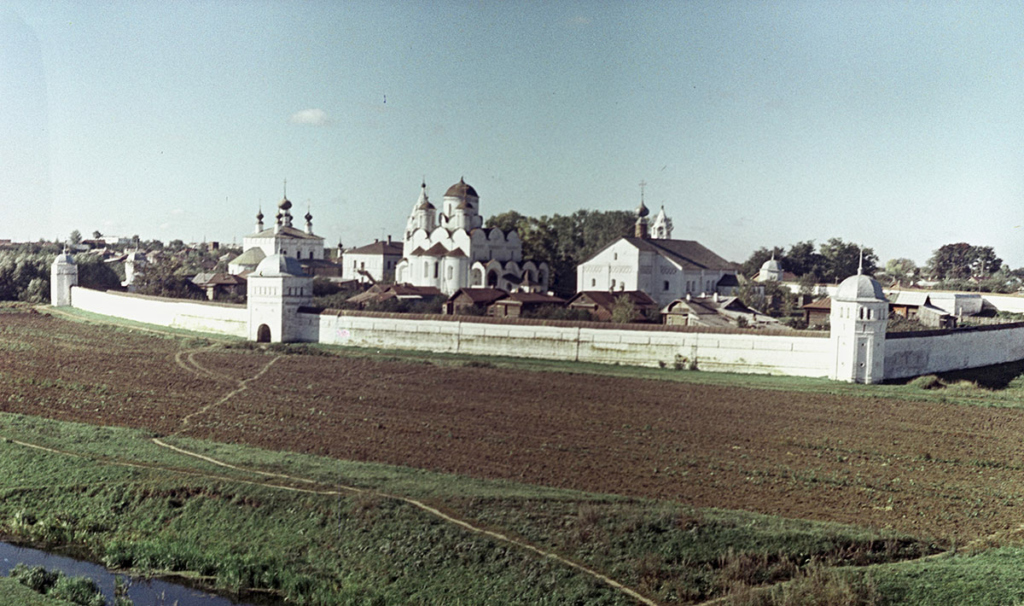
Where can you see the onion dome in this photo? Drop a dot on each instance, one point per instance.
(461, 190)
(309, 217)
(259, 215)
(284, 204)
(424, 203)
(641, 211)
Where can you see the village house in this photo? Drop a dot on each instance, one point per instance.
(715, 312)
(518, 303)
(372, 263)
(473, 300)
(600, 304)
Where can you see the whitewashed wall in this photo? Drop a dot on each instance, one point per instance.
(749, 353)
(217, 318)
(957, 350)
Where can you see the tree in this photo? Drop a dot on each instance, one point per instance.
(961, 261)
(901, 271)
(96, 235)
(565, 241)
(76, 237)
(842, 259)
(623, 310)
(804, 259)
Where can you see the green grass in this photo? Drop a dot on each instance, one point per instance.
(13, 593)
(129, 503)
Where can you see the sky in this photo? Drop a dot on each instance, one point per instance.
(894, 125)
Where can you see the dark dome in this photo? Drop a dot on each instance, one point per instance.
(461, 190)
(642, 211)
(284, 204)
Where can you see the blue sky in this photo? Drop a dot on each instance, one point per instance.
(894, 125)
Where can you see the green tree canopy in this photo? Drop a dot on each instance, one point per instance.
(833, 261)
(961, 261)
(565, 241)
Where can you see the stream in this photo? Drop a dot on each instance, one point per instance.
(144, 592)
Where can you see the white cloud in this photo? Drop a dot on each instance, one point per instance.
(311, 117)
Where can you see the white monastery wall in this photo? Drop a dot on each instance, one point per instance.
(748, 353)
(217, 318)
(965, 348)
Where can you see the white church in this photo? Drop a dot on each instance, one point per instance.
(451, 249)
(280, 239)
(651, 261)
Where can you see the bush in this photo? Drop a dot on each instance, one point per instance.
(77, 590)
(927, 382)
(54, 584)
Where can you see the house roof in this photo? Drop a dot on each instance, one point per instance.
(286, 232)
(824, 304)
(688, 254)
(377, 248)
(253, 256)
(908, 298)
(479, 296)
(606, 300)
(531, 298)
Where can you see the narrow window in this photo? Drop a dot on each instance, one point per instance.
(593, 281)
(664, 285)
(436, 267)
(616, 258)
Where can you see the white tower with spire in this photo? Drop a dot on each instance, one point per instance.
(860, 313)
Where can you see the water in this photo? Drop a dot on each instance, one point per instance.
(144, 592)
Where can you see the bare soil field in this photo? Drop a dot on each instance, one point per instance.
(933, 470)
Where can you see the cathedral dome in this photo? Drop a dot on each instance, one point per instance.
(860, 288)
(284, 204)
(461, 190)
(276, 266)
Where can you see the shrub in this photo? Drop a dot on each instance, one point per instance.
(77, 590)
(926, 382)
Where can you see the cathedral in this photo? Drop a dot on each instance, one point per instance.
(451, 249)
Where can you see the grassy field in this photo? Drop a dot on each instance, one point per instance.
(327, 531)
(131, 504)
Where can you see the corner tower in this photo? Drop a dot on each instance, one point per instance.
(63, 275)
(860, 313)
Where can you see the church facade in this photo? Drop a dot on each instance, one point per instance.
(450, 249)
(281, 239)
(652, 262)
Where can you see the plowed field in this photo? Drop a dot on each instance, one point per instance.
(935, 470)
